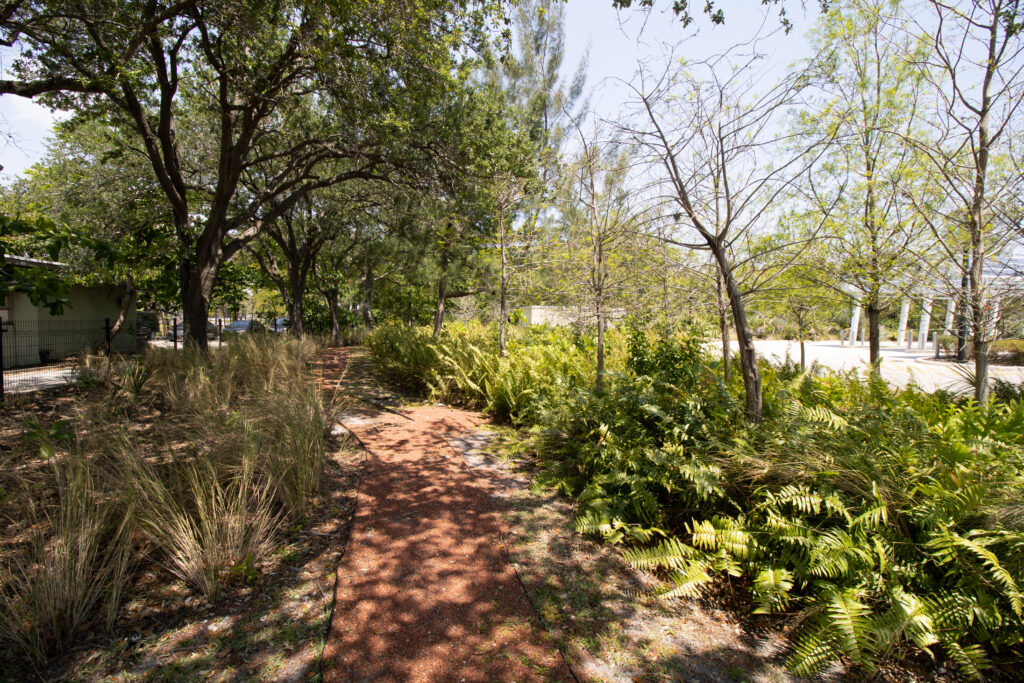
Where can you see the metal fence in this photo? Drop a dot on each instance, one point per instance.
(44, 354)
(41, 354)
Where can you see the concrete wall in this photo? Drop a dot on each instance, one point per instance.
(79, 328)
(548, 315)
(562, 316)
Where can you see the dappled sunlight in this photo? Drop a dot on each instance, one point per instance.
(426, 591)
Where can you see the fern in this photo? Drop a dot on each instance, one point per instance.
(771, 589)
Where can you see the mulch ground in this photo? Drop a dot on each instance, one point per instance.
(425, 590)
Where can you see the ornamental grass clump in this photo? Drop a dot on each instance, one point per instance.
(72, 574)
(185, 460)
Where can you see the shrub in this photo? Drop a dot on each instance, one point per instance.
(890, 519)
(1009, 351)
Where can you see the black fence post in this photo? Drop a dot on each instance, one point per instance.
(174, 332)
(220, 333)
(3, 328)
(106, 334)
(275, 325)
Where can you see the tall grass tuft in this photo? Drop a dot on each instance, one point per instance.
(204, 527)
(74, 570)
(238, 445)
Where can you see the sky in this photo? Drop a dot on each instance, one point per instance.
(616, 41)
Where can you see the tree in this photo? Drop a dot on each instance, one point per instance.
(719, 164)
(298, 236)
(871, 96)
(43, 287)
(715, 13)
(91, 179)
(601, 225)
(233, 79)
(539, 102)
(976, 73)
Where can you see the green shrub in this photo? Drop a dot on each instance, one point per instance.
(1009, 351)
(463, 366)
(891, 519)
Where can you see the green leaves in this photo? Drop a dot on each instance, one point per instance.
(881, 518)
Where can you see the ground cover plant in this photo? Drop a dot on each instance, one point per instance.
(180, 470)
(885, 523)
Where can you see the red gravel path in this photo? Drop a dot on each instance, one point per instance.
(425, 591)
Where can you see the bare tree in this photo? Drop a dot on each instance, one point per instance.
(601, 224)
(976, 73)
(718, 165)
(513, 246)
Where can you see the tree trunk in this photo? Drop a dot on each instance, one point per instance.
(980, 331)
(748, 356)
(331, 295)
(368, 281)
(599, 383)
(296, 308)
(442, 294)
(981, 371)
(503, 297)
(130, 293)
(723, 326)
(803, 353)
(873, 331)
(961, 314)
(197, 291)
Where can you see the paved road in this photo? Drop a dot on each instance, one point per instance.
(900, 367)
(24, 380)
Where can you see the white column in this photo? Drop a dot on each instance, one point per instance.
(854, 322)
(947, 327)
(926, 319)
(901, 334)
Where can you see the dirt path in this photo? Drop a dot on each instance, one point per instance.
(425, 591)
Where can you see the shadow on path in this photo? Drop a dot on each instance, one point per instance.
(426, 590)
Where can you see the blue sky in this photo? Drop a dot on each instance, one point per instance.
(616, 41)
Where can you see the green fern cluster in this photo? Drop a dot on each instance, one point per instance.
(463, 367)
(888, 521)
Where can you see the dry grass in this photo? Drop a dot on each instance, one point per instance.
(74, 565)
(188, 461)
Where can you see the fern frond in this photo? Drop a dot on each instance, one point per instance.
(686, 582)
(669, 554)
(971, 659)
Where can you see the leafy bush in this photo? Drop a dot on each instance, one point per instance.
(463, 367)
(890, 519)
(1008, 351)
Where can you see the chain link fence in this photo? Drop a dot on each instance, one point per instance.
(42, 354)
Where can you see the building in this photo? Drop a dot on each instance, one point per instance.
(31, 336)
(562, 316)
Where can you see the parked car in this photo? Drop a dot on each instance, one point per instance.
(211, 331)
(280, 325)
(244, 327)
(147, 324)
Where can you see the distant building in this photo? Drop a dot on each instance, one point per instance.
(32, 336)
(563, 316)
